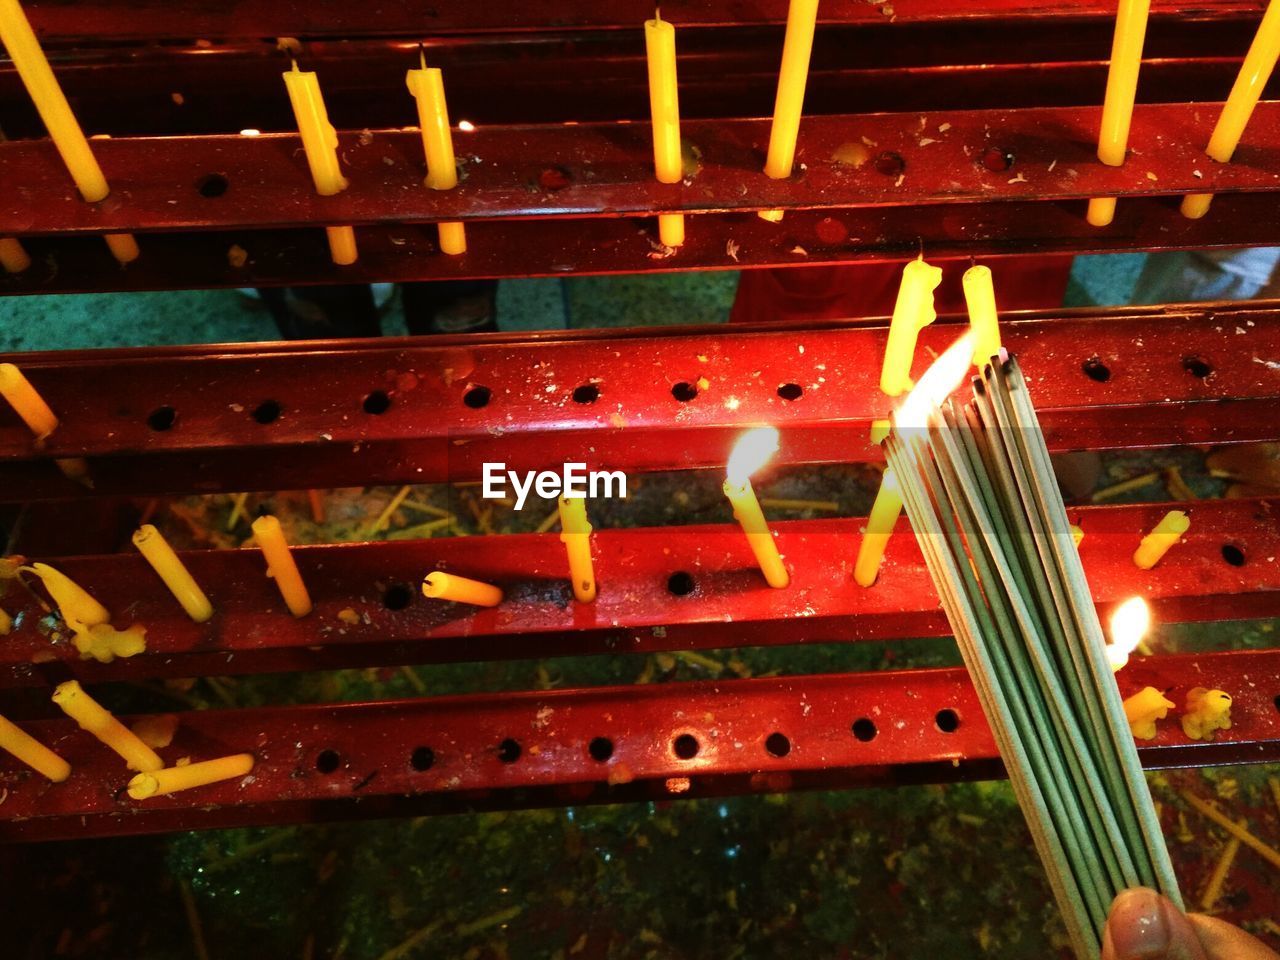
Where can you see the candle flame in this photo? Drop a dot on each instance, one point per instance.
(466, 126)
(938, 381)
(1129, 624)
(751, 452)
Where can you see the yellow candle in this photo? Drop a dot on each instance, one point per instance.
(122, 246)
(1143, 709)
(664, 110)
(175, 575)
(1077, 535)
(912, 312)
(6, 623)
(19, 743)
(91, 716)
(884, 515)
(281, 565)
(13, 258)
(320, 141)
(1258, 64)
(448, 586)
(78, 608)
(1213, 888)
(427, 87)
(28, 404)
(1122, 89)
(1158, 542)
(1206, 711)
(802, 18)
(751, 452)
(980, 298)
(576, 536)
(157, 783)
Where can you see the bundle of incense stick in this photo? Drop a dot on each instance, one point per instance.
(980, 492)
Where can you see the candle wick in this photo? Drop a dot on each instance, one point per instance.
(295, 64)
(657, 14)
(422, 56)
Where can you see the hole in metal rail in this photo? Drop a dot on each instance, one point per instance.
(864, 729)
(1096, 370)
(997, 159)
(684, 392)
(327, 761)
(212, 185)
(600, 748)
(681, 584)
(422, 759)
(397, 596)
(587, 393)
(378, 402)
(267, 412)
(890, 164)
(509, 751)
(1197, 366)
(477, 397)
(1276, 701)
(1233, 555)
(777, 744)
(685, 746)
(791, 391)
(162, 418)
(948, 721)
(554, 178)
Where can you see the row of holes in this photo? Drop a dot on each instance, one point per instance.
(684, 747)
(1098, 371)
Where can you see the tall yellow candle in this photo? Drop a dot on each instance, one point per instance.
(427, 87)
(664, 111)
(1159, 541)
(26, 402)
(884, 515)
(980, 299)
(449, 586)
(281, 565)
(320, 141)
(576, 536)
(912, 312)
(1254, 73)
(16, 741)
(173, 572)
(13, 258)
(156, 783)
(788, 105)
(1122, 90)
(95, 719)
(752, 451)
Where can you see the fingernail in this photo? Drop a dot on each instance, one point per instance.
(1137, 924)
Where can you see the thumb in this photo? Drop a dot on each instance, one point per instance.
(1143, 925)
(1224, 941)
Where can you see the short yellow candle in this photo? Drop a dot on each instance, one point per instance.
(884, 515)
(77, 607)
(320, 141)
(95, 719)
(157, 783)
(449, 586)
(123, 246)
(1077, 535)
(1206, 711)
(1254, 73)
(13, 258)
(980, 298)
(6, 623)
(750, 453)
(788, 105)
(664, 111)
(1143, 709)
(281, 565)
(912, 312)
(576, 536)
(427, 86)
(16, 741)
(1122, 89)
(26, 402)
(1158, 542)
(173, 572)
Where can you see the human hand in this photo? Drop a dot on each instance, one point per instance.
(1146, 926)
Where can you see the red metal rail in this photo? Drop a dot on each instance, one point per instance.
(594, 745)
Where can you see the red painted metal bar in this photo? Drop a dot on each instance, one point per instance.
(368, 608)
(605, 170)
(536, 748)
(185, 419)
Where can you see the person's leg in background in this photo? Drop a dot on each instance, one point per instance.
(450, 306)
(1187, 276)
(323, 313)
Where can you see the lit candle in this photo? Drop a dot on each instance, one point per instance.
(448, 586)
(175, 575)
(50, 102)
(427, 87)
(157, 783)
(1143, 709)
(802, 18)
(980, 298)
(1206, 711)
(884, 515)
(13, 258)
(95, 719)
(664, 109)
(320, 141)
(1122, 89)
(912, 312)
(26, 402)
(753, 450)
(281, 565)
(16, 741)
(1129, 624)
(1254, 73)
(1158, 542)
(79, 610)
(575, 534)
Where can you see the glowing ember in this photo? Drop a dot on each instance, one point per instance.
(938, 381)
(1129, 624)
(751, 452)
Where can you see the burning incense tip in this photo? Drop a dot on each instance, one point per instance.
(939, 380)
